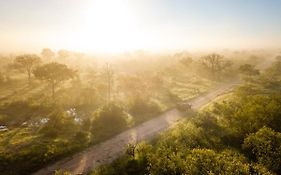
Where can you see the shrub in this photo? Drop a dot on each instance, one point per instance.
(265, 147)
(58, 123)
(17, 112)
(108, 120)
(143, 106)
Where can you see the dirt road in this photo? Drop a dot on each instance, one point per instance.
(109, 150)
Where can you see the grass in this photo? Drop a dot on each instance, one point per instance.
(218, 99)
(188, 88)
(25, 150)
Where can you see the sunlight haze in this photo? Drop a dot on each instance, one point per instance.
(137, 87)
(111, 26)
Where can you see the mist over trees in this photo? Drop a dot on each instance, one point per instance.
(140, 87)
(76, 100)
(54, 73)
(215, 64)
(26, 63)
(47, 54)
(238, 134)
(249, 70)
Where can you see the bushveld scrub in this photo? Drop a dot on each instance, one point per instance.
(239, 135)
(60, 113)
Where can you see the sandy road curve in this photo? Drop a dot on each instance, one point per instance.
(109, 150)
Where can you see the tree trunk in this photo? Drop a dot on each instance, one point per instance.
(29, 76)
(53, 90)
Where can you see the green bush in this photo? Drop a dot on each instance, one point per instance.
(16, 112)
(265, 147)
(246, 115)
(58, 123)
(29, 158)
(140, 106)
(228, 138)
(107, 121)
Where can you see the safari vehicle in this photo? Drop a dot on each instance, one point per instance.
(184, 106)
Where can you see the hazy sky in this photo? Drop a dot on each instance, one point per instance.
(121, 25)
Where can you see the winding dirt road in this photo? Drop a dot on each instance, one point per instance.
(109, 150)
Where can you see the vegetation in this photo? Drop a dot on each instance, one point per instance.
(27, 63)
(73, 98)
(47, 54)
(53, 73)
(215, 65)
(264, 146)
(103, 119)
(194, 87)
(249, 70)
(236, 135)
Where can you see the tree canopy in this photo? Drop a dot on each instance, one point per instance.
(47, 53)
(249, 70)
(215, 64)
(54, 73)
(27, 62)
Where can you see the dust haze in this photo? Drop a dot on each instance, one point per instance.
(140, 87)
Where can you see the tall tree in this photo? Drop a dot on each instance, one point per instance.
(265, 147)
(278, 58)
(63, 54)
(249, 70)
(27, 62)
(54, 73)
(274, 71)
(47, 53)
(109, 78)
(215, 64)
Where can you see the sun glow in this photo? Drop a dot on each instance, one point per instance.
(109, 26)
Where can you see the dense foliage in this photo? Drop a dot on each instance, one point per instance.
(240, 134)
(107, 121)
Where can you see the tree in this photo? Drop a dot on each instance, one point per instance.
(54, 73)
(249, 112)
(47, 53)
(254, 59)
(63, 54)
(265, 145)
(134, 85)
(214, 63)
(249, 70)
(271, 78)
(102, 119)
(109, 78)
(274, 71)
(26, 62)
(58, 122)
(186, 61)
(140, 105)
(278, 58)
